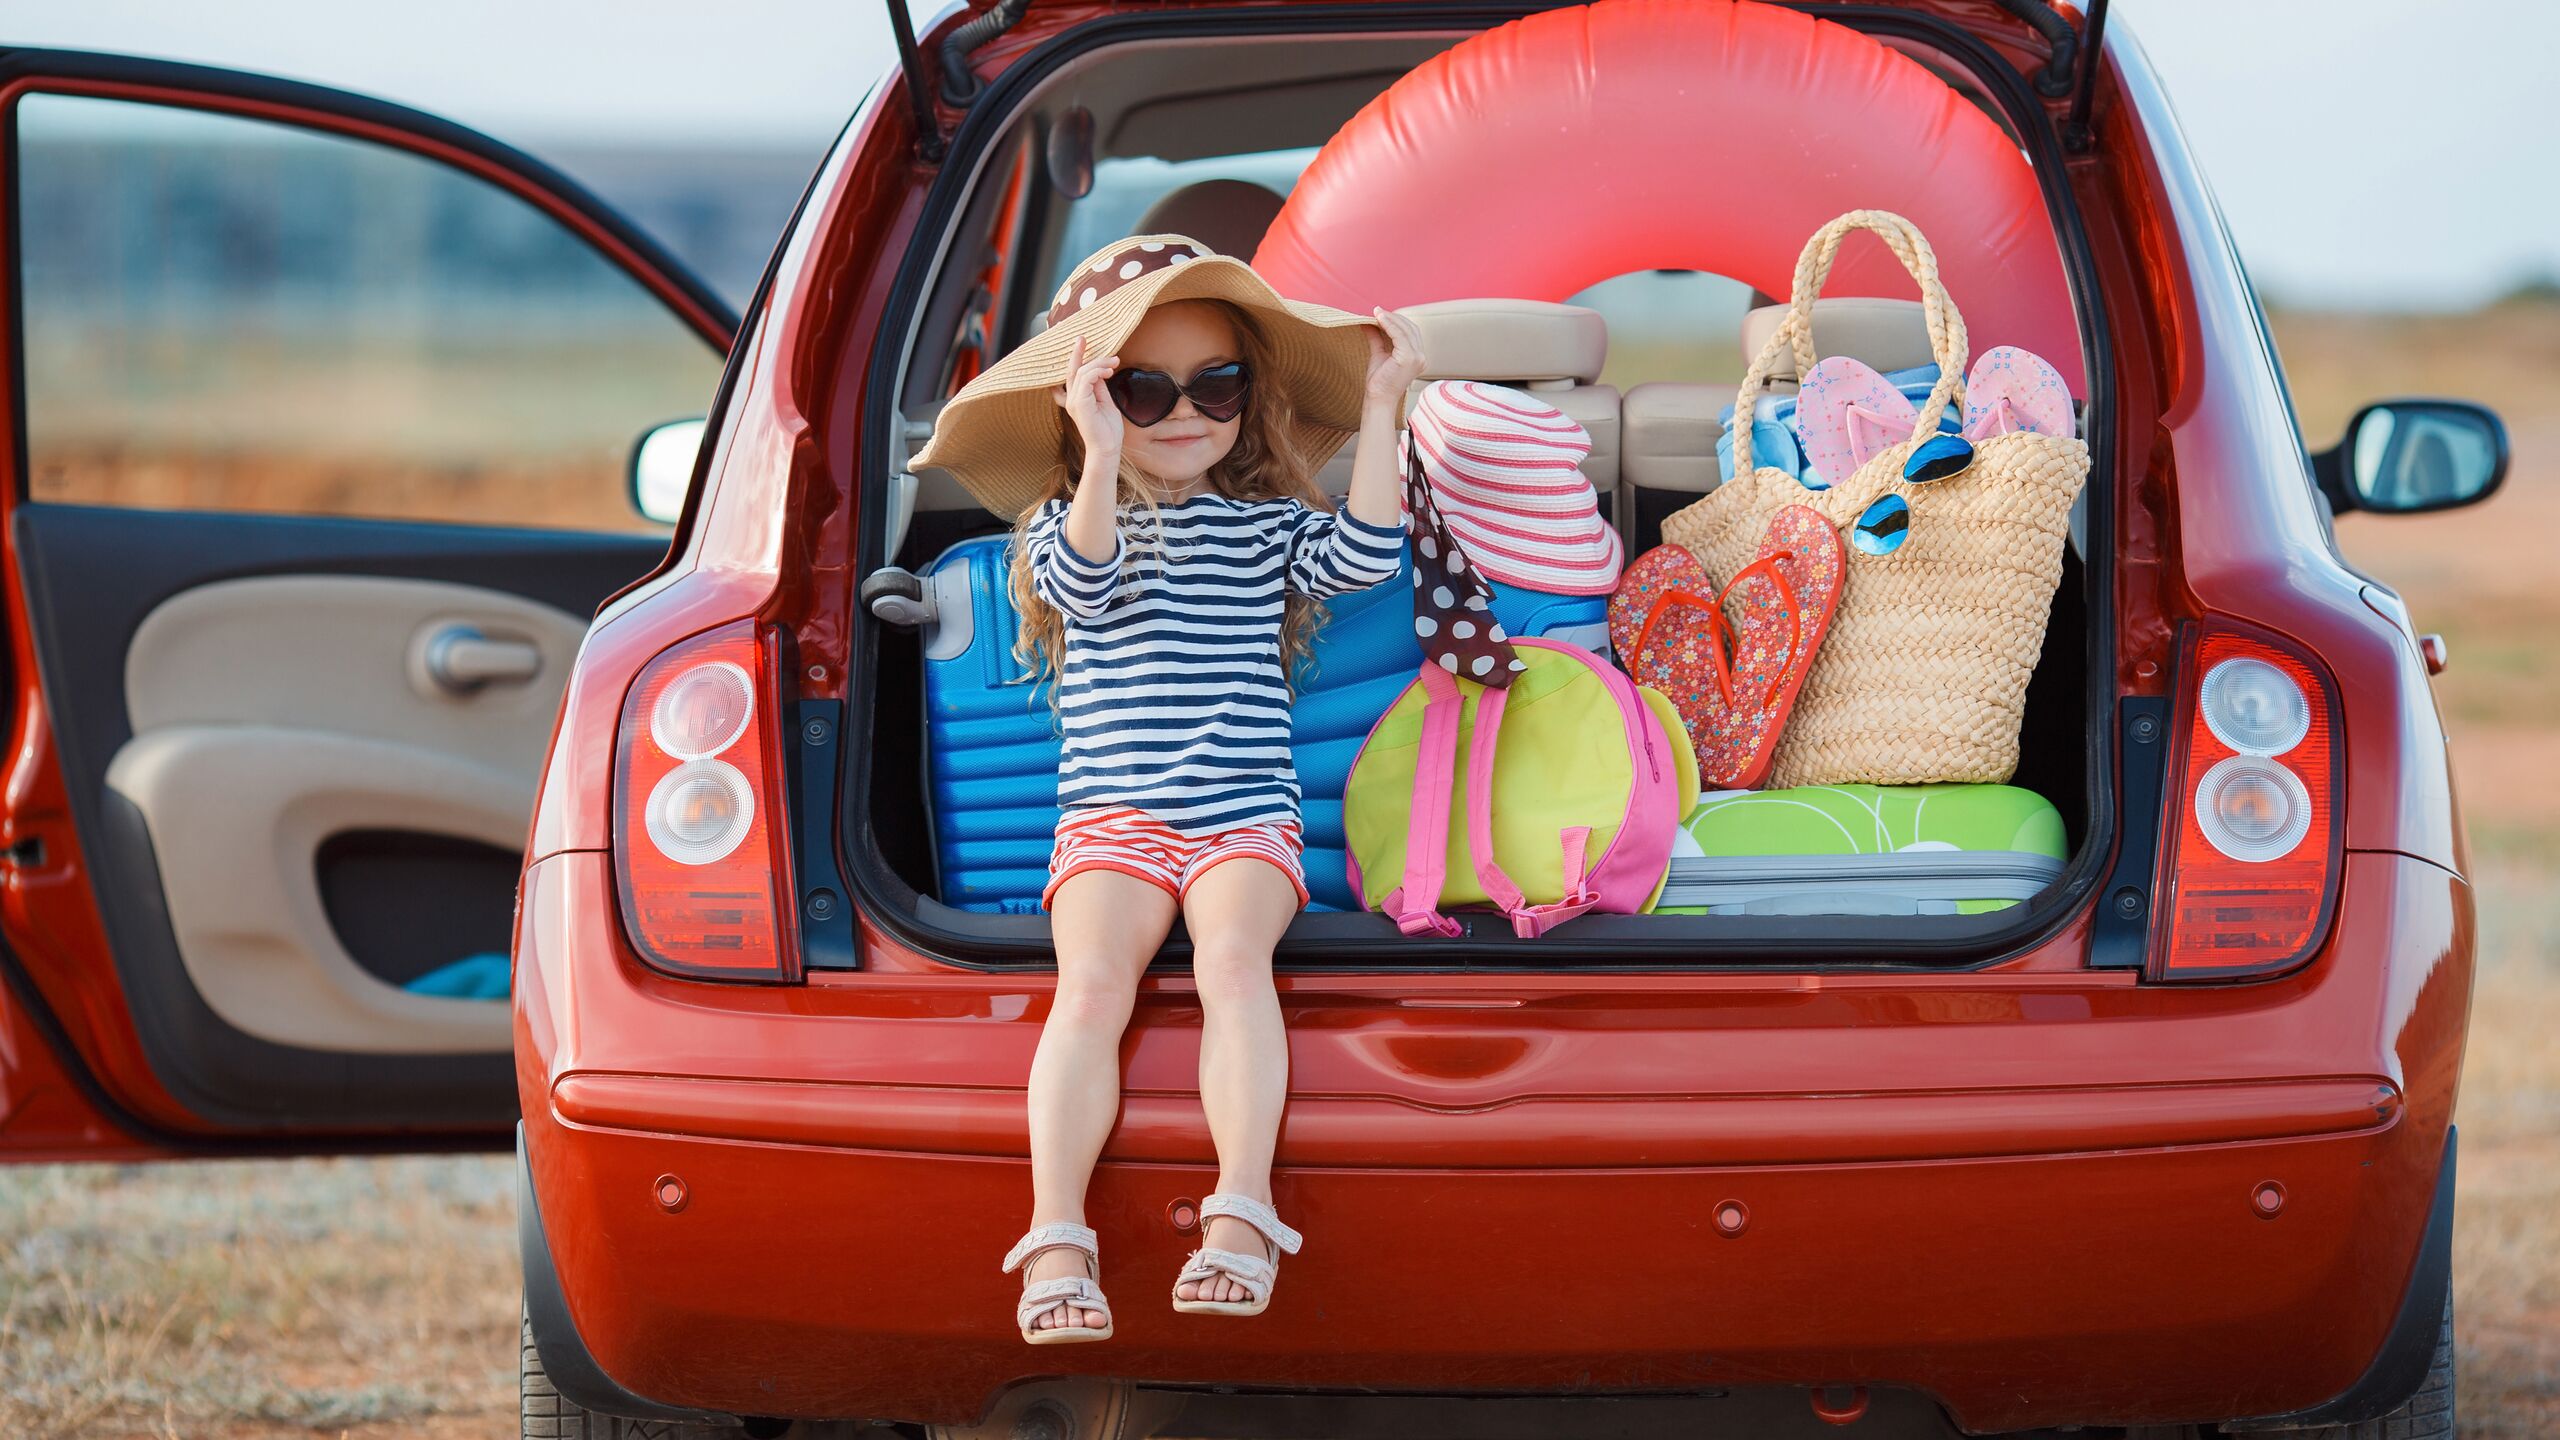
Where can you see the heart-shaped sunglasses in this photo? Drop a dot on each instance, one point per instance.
(1218, 392)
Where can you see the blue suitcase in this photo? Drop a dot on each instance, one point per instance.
(992, 748)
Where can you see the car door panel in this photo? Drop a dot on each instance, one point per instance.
(270, 701)
(241, 814)
(273, 715)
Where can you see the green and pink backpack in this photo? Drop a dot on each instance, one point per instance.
(1576, 778)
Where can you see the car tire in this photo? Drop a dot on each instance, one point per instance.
(2428, 1415)
(549, 1415)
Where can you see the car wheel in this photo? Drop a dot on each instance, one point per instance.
(2427, 1416)
(549, 1415)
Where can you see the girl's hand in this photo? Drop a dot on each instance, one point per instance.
(1090, 409)
(1395, 358)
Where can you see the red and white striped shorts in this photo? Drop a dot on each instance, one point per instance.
(1134, 843)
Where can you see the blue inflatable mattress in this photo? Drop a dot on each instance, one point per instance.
(992, 747)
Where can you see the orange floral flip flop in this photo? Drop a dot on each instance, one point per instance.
(1732, 660)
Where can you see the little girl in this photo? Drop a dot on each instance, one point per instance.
(1169, 575)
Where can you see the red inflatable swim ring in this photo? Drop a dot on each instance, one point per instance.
(1554, 152)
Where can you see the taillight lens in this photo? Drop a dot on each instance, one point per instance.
(2252, 857)
(699, 853)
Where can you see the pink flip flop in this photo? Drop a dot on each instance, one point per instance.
(2012, 389)
(1731, 660)
(1848, 415)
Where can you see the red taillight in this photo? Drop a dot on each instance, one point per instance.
(697, 820)
(2252, 856)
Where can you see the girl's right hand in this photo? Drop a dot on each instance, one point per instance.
(1090, 408)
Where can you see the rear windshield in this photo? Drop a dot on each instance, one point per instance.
(1641, 348)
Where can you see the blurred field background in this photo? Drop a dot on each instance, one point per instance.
(377, 1298)
(2479, 578)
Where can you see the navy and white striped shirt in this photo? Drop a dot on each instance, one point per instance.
(1171, 694)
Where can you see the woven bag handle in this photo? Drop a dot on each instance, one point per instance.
(1813, 267)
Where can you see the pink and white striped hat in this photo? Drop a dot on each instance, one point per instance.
(1505, 470)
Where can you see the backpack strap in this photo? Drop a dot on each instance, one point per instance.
(1527, 921)
(1415, 905)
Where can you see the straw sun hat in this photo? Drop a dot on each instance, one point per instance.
(999, 437)
(1506, 476)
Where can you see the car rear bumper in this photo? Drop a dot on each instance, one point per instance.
(2027, 1254)
(809, 1280)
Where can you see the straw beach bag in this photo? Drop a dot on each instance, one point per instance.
(1923, 676)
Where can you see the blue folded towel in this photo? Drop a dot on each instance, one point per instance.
(1777, 444)
(473, 977)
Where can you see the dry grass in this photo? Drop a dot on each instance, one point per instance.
(521, 431)
(2484, 579)
(369, 1297)
(2507, 1206)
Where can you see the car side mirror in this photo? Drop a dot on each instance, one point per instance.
(662, 468)
(2406, 457)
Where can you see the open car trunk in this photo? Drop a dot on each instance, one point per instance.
(985, 259)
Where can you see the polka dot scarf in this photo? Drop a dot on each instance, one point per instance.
(1452, 603)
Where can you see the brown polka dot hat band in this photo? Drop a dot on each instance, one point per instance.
(1000, 436)
(1117, 267)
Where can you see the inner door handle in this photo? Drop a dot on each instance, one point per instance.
(463, 661)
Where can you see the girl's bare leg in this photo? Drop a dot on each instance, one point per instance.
(1235, 911)
(1106, 927)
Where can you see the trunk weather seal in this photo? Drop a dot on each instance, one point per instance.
(1746, 946)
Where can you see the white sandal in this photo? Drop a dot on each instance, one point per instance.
(1083, 1292)
(1254, 1272)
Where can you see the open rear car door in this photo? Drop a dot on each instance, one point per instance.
(320, 414)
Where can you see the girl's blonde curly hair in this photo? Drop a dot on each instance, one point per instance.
(1263, 464)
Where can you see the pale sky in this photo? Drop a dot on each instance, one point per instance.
(2364, 156)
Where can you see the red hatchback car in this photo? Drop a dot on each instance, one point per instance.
(2167, 1147)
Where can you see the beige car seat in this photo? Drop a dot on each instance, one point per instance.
(1670, 426)
(1228, 216)
(1552, 351)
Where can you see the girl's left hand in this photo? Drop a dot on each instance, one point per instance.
(1395, 357)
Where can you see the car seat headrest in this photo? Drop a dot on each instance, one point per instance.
(1887, 334)
(1228, 216)
(1539, 344)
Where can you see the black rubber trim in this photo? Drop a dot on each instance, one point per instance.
(1597, 943)
(810, 755)
(2400, 1368)
(565, 1358)
(2077, 137)
(91, 575)
(2121, 938)
(2054, 81)
(911, 66)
